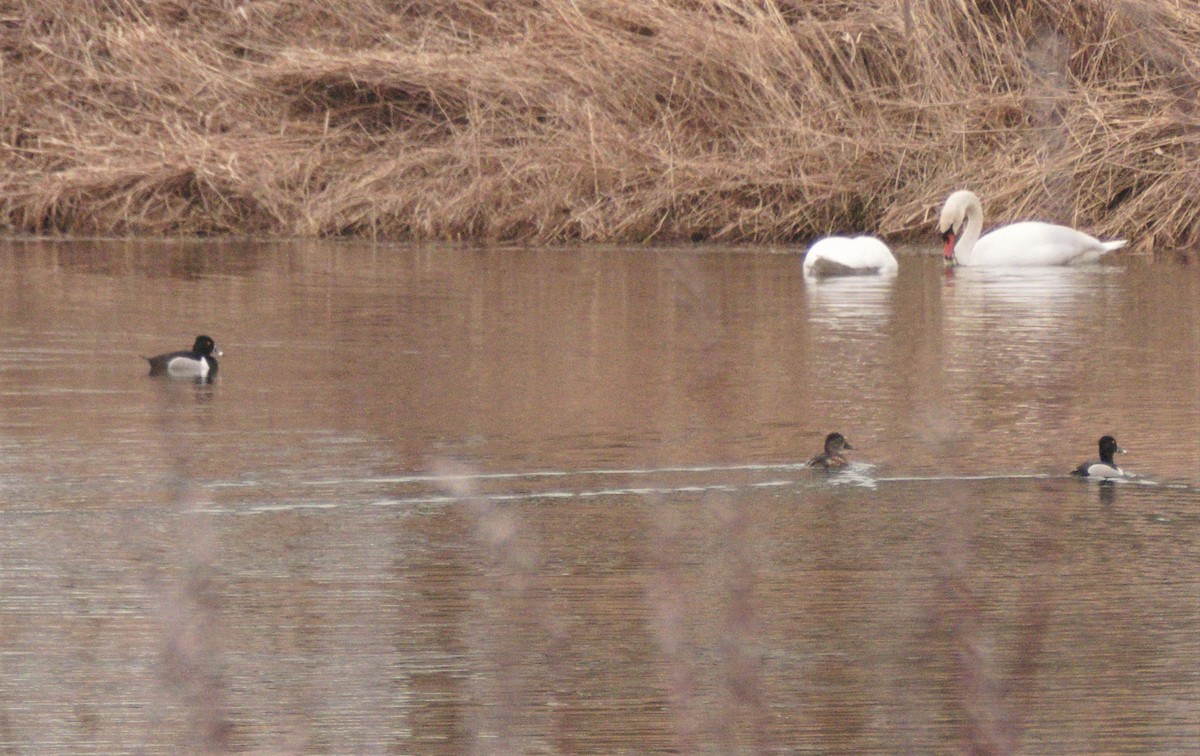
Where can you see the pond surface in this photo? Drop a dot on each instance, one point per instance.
(515, 501)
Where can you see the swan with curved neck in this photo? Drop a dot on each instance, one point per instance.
(1025, 244)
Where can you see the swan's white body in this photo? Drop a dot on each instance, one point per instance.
(1026, 244)
(842, 255)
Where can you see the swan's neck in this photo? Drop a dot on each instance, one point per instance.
(966, 243)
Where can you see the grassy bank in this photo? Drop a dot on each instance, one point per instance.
(598, 120)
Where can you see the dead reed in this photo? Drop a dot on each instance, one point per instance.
(597, 120)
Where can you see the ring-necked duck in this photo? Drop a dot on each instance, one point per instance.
(1105, 468)
(198, 363)
(831, 458)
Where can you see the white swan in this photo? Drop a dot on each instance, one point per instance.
(1030, 243)
(841, 255)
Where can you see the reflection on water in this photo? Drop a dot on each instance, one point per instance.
(1045, 292)
(442, 500)
(853, 303)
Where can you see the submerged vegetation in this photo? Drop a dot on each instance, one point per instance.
(597, 120)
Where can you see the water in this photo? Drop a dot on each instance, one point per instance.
(444, 500)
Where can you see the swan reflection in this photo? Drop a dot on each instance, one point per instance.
(852, 303)
(1024, 296)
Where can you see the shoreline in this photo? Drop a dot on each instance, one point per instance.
(734, 122)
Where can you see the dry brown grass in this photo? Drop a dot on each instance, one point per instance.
(597, 120)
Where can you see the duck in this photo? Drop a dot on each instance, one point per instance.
(1104, 467)
(197, 363)
(831, 458)
(843, 255)
(1025, 244)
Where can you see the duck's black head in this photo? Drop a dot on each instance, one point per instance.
(204, 346)
(836, 442)
(1108, 447)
